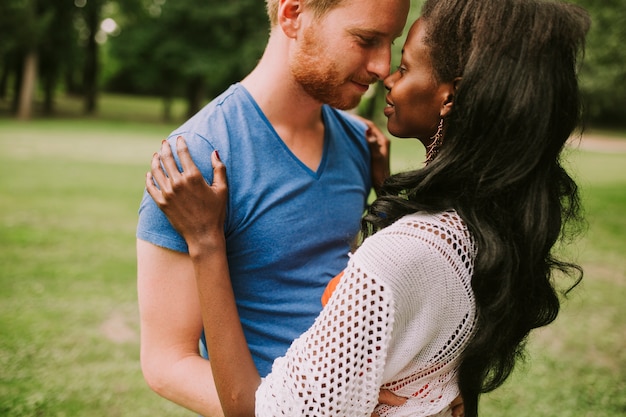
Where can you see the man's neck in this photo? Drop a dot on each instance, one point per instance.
(278, 94)
(296, 116)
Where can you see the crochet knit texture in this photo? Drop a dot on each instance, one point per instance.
(399, 319)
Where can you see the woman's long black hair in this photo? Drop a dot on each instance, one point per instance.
(500, 165)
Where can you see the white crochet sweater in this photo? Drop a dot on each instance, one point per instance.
(399, 319)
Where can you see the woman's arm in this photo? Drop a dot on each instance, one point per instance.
(234, 372)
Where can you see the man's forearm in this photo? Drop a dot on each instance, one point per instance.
(187, 382)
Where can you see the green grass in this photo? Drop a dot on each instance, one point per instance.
(68, 311)
(69, 333)
(111, 107)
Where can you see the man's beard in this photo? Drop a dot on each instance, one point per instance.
(319, 77)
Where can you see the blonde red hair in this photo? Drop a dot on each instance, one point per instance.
(319, 7)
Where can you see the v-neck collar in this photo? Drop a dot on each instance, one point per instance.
(320, 168)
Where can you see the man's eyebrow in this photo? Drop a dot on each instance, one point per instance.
(371, 33)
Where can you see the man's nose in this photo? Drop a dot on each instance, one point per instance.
(380, 61)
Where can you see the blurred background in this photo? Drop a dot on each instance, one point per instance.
(89, 88)
(193, 49)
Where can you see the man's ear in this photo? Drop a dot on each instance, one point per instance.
(449, 92)
(289, 12)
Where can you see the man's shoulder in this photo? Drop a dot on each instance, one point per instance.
(214, 120)
(220, 106)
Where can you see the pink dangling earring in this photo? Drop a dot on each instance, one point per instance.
(433, 149)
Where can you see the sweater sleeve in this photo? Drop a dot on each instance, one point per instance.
(426, 263)
(336, 367)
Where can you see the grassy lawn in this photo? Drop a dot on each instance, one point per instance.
(69, 193)
(69, 334)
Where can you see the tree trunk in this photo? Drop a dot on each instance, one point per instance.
(4, 78)
(90, 74)
(27, 90)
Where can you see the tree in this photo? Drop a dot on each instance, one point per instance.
(23, 30)
(11, 12)
(57, 49)
(191, 47)
(40, 41)
(91, 13)
(603, 74)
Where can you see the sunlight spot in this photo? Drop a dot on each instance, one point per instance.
(109, 26)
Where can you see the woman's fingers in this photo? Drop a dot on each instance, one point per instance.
(457, 407)
(156, 179)
(166, 180)
(168, 162)
(219, 172)
(189, 167)
(389, 398)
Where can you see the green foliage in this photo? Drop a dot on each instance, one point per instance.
(187, 40)
(10, 15)
(603, 75)
(23, 23)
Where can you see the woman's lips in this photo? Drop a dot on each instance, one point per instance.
(389, 109)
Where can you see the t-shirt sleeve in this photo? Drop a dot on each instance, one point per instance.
(336, 367)
(154, 227)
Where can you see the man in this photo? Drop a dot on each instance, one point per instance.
(299, 183)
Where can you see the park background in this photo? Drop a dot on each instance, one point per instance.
(89, 88)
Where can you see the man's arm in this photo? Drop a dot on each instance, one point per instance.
(171, 324)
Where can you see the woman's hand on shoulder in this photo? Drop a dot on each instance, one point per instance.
(196, 209)
(379, 146)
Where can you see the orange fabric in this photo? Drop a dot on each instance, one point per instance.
(330, 288)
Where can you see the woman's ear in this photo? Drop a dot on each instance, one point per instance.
(289, 12)
(449, 92)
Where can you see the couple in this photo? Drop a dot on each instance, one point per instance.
(456, 261)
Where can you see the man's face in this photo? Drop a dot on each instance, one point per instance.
(340, 54)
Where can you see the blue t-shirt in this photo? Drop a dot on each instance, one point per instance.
(288, 229)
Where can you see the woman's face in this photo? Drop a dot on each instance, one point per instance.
(416, 101)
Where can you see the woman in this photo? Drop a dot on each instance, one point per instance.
(457, 261)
